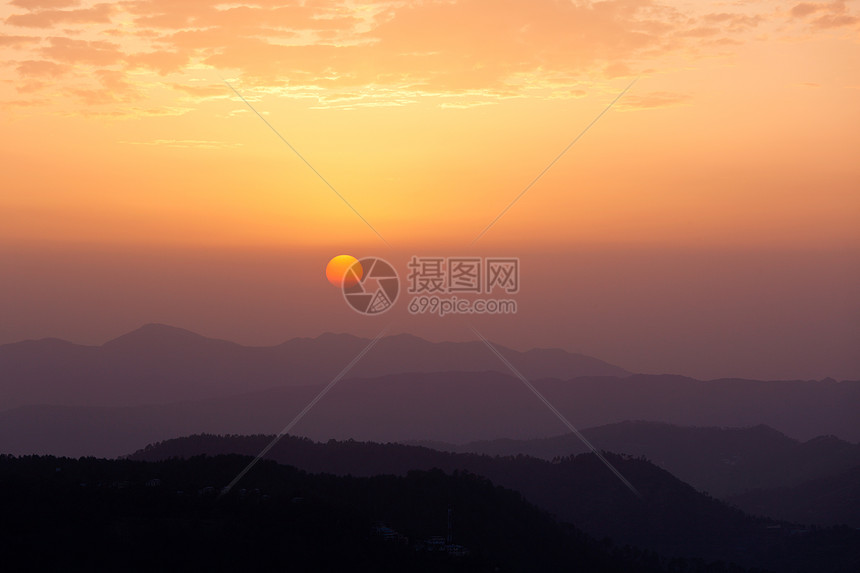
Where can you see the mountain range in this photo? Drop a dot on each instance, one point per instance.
(725, 470)
(826, 500)
(670, 517)
(725, 462)
(159, 364)
(160, 382)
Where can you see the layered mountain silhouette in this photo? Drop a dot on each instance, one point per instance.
(444, 406)
(828, 500)
(166, 516)
(809, 483)
(159, 382)
(163, 364)
(671, 517)
(775, 449)
(722, 461)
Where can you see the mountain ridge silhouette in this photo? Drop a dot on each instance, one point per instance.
(157, 363)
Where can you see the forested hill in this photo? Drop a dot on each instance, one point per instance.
(108, 515)
(671, 517)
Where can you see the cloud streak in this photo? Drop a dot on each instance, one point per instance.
(825, 15)
(475, 50)
(100, 13)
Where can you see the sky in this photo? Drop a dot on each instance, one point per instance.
(705, 225)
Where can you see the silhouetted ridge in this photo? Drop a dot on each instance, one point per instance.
(167, 516)
(158, 363)
(44, 345)
(154, 335)
(722, 461)
(672, 518)
(829, 500)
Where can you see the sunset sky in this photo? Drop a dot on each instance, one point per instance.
(741, 135)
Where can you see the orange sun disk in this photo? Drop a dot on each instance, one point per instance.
(343, 270)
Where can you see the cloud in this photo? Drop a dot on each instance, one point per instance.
(186, 143)
(98, 53)
(41, 69)
(253, 17)
(126, 111)
(100, 13)
(836, 21)
(652, 100)
(805, 9)
(382, 52)
(9, 41)
(833, 14)
(25, 103)
(734, 22)
(112, 87)
(203, 92)
(163, 62)
(42, 4)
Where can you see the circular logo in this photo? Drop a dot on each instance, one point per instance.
(370, 285)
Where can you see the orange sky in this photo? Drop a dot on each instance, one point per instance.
(429, 117)
(706, 225)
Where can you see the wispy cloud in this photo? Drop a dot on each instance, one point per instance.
(186, 143)
(653, 100)
(824, 15)
(41, 68)
(100, 13)
(403, 48)
(17, 41)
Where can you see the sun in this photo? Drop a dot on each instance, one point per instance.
(343, 270)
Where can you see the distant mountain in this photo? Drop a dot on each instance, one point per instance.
(163, 364)
(721, 461)
(670, 518)
(829, 500)
(449, 407)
